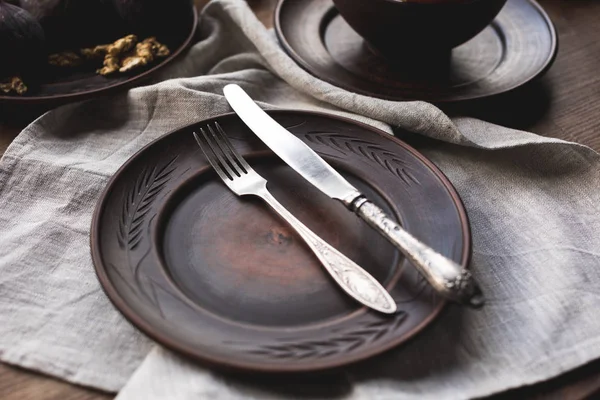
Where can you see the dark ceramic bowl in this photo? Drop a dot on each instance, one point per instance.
(394, 28)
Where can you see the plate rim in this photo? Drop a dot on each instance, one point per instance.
(128, 83)
(221, 363)
(464, 98)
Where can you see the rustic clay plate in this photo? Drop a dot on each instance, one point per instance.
(60, 86)
(221, 279)
(517, 47)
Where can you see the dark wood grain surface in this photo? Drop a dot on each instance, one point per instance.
(564, 104)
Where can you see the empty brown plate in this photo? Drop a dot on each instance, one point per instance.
(517, 47)
(65, 85)
(222, 279)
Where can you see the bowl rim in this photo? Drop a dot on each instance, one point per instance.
(433, 3)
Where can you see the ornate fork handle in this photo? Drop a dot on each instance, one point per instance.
(354, 280)
(446, 276)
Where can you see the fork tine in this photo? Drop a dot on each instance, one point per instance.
(243, 163)
(210, 155)
(209, 135)
(222, 143)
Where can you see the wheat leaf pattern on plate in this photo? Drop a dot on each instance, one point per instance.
(337, 343)
(138, 202)
(364, 148)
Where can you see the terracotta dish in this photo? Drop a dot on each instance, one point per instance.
(417, 27)
(221, 279)
(518, 46)
(62, 86)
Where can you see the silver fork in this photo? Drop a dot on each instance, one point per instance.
(239, 176)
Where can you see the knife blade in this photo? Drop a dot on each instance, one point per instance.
(447, 277)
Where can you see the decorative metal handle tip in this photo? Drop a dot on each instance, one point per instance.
(448, 278)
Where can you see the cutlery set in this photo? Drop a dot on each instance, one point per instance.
(217, 278)
(239, 176)
(447, 277)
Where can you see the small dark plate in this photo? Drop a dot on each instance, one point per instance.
(63, 85)
(517, 47)
(221, 279)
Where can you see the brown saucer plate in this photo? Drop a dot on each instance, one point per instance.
(518, 46)
(221, 279)
(63, 86)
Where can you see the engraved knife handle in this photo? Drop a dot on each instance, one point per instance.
(354, 280)
(447, 277)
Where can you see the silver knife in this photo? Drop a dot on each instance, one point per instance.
(447, 277)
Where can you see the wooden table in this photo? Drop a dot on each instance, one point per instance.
(564, 104)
